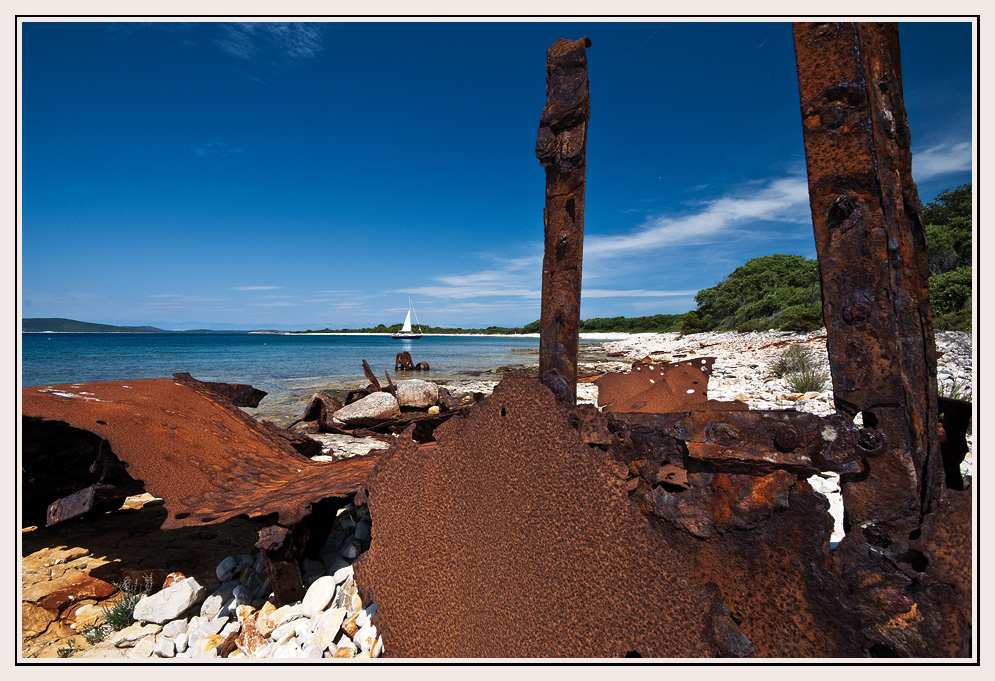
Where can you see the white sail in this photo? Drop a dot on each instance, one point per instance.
(407, 323)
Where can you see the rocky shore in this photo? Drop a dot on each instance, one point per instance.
(209, 597)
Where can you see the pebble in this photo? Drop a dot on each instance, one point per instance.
(324, 620)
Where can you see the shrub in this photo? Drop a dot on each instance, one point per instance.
(120, 614)
(801, 369)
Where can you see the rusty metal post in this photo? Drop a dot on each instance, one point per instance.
(873, 264)
(561, 147)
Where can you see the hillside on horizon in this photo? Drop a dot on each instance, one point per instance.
(60, 324)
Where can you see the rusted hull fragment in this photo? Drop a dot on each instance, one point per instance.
(872, 262)
(561, 147)
(207, 460)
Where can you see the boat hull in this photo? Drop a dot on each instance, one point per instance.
(405, 336)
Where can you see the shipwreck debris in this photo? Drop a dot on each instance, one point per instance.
(207, 460)
(561, 147)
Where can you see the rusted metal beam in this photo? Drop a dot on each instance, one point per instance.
(873, 264)
(561, 147)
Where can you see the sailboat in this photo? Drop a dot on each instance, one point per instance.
(406, 333)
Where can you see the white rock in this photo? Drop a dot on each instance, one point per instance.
(346, 642)
(174, 628)
(312, 651)
(171, 602)
(365, 615)
(284, 633)
(370, 410)
(289, 649)
(342, 574)
(181, 641)
(417, 393)
(318, 596)
(327, 626)
(144, 648)
(366, 637)
(377, 648)
(165, 647)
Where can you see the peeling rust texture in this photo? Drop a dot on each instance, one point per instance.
(872, 259)
(561, 147)
(404, 362)
(763, 441)
(207, 460)
(514, 523)
(904, 505)
(661, 388)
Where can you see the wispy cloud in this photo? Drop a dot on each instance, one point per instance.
(255, 288)
(283, 40)
(634, 293)
(214, 149)
(777, 200)
(515, 278)
(950, 157)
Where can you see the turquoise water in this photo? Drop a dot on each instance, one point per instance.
(289, 367)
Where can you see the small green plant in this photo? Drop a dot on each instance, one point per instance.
(792, 360)
(956, 390)
(94, 634)
(808, 379)
(119, 615)
(801, 369)
(68, 650)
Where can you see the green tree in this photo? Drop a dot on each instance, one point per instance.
(757, 295)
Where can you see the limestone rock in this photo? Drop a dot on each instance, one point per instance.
(318, 596)
(417, 393)
(171, 602)
(373, 409)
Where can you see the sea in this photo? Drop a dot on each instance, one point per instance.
(290, 367)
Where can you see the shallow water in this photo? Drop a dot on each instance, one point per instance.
(288, 367)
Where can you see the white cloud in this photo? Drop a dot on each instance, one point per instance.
(296, 40)
(255, 288)
(950, 157)
(778, 200)
(633, 293)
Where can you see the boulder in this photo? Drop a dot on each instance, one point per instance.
(368, 411)
(417, 393)
(171, 602)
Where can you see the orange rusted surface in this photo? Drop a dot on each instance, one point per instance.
(207, 460)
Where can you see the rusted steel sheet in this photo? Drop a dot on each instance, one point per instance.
(661, 388)
(759, 441)
(561, 147)
(512, 506)
(778, 577)
(239, 394)
(872, 260)
(514, 502)
(207, 460)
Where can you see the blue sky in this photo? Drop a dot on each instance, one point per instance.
(294, 176)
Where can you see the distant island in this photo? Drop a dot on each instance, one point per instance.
(62, 325)
(59, 324)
